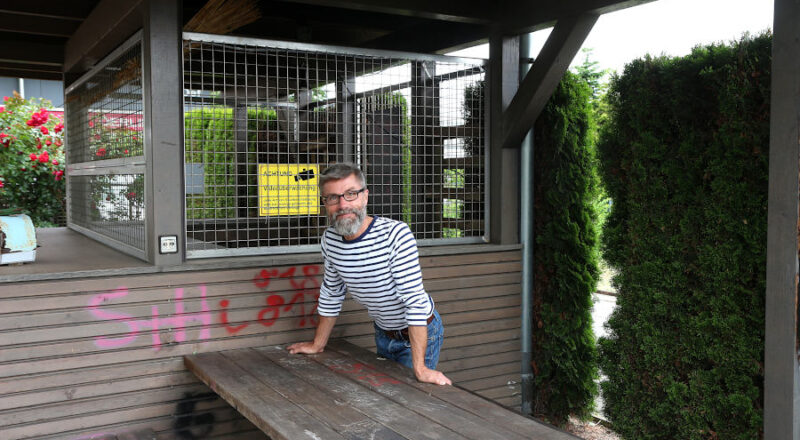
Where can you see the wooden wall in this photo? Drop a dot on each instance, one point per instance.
(97, 357)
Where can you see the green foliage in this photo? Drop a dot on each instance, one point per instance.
(684, 158)
(565, 256)
(209, 134)
(31, 160)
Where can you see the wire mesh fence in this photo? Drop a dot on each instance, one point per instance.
(105, 186)
(264, 118)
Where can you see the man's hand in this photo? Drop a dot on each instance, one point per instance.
(321, 336)
(427, 375)
(304, 347)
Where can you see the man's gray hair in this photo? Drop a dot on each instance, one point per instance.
(339, 171)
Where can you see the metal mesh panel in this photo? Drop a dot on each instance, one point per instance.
(263, 118)
(105, 149)
(110, 205)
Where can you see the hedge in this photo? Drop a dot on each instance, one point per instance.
(565, 257)
(684, 158)
(209, 137)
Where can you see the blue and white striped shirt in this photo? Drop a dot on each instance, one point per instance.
(381, 271)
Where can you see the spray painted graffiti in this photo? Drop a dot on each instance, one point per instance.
(301, 301)
(190, 424)
(178, 321)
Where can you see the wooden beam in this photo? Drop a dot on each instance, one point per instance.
(519, 17)
(465, 11)
(545, 74)
(108, 25)
(502, 82)
(781, 373)
(36, 25)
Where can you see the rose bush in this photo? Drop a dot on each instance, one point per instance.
(31, 159)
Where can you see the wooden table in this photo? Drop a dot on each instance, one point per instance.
(348, 392)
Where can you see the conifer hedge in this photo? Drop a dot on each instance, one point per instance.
(565, 257)
(684, 158)
(209, 137)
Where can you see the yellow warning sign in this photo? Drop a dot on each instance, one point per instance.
(287, 189)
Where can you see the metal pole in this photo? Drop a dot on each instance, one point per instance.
(526, 237)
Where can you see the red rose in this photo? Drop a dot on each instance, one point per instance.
(101, 152)
(44, 157)
(1, 182)
(33, 156)
(55, 162)
(48, 142)
(45, 130)
(59, 174)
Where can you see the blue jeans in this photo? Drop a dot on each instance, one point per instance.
(400, 350)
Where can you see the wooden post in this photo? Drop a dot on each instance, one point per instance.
(503, 80)
(163, 108)
(781, 376)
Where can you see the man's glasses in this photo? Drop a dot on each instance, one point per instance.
(332, 199)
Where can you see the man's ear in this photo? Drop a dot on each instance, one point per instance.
(366, 196)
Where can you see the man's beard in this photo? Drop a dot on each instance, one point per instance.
(347, 227)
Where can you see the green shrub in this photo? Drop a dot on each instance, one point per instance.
(31, 160)
(209, 137)
(684, 158)
(565, 257)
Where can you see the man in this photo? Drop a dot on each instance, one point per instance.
(376, 260)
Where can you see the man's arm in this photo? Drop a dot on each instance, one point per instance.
(419, 342)
(321, 336)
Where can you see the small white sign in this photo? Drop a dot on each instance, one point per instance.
(169, 244)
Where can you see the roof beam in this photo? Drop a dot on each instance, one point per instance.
(464, 11)
(560, 48)
(106, 27)
(430, 37)
(520, 17)
(36, 25)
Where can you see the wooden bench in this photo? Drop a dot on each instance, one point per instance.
(348, 392)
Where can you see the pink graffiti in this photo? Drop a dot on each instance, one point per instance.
(177, 322)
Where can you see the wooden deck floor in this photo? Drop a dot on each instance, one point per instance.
(348, 392)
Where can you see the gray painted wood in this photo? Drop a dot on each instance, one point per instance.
(543, 78)
(163, 117)
(502, 80)
(781, 370)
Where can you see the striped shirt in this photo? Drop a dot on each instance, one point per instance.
(381, 271)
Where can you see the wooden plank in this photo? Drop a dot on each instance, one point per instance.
(25, 415)
(347, 421)
(116, 387)
(472, 270)
(480, 349)
(481, 361)
(490, 382)
(487, 411)
(433, 285)
(383, 410)
(415, 399)
(267, 409)
(468, 259)
(483, 372)
(91, 375)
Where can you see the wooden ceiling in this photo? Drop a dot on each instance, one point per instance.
(34, 36)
